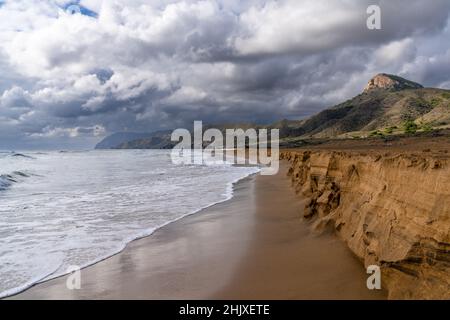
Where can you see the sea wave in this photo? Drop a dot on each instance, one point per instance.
(13, 154)
(7, 180)
(229, 193)
(21, 155)
(80, 208)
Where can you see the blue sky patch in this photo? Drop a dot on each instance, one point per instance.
(75, 7)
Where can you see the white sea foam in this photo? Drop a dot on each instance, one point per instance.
(79, 208)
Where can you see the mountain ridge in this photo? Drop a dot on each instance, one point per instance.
(384, 106)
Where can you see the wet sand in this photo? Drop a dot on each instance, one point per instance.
(254, 246)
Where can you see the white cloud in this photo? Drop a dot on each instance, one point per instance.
(50, 132)
(286, 26)
(395, 53)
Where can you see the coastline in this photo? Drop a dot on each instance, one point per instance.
(52, 275)
(252, 246)
(370, 200)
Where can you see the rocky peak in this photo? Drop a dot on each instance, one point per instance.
(390, 82)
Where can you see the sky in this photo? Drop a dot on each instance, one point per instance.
(69, 79)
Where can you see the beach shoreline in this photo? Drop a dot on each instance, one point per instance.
(253, 246)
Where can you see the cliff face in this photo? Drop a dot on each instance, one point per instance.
(391, 210)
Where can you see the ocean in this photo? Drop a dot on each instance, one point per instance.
(64, 209)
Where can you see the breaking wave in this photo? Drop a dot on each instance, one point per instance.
(7, 180)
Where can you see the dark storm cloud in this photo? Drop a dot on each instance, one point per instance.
(146, 65)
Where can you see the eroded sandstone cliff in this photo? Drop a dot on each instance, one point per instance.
(392, 210)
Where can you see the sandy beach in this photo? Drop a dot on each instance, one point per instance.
(254, 246)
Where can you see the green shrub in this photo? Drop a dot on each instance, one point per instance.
(376, 133)
(446, 95)
(426, 127)
(409, 127)
(435, 102)
(389, 130)
(420, 102)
